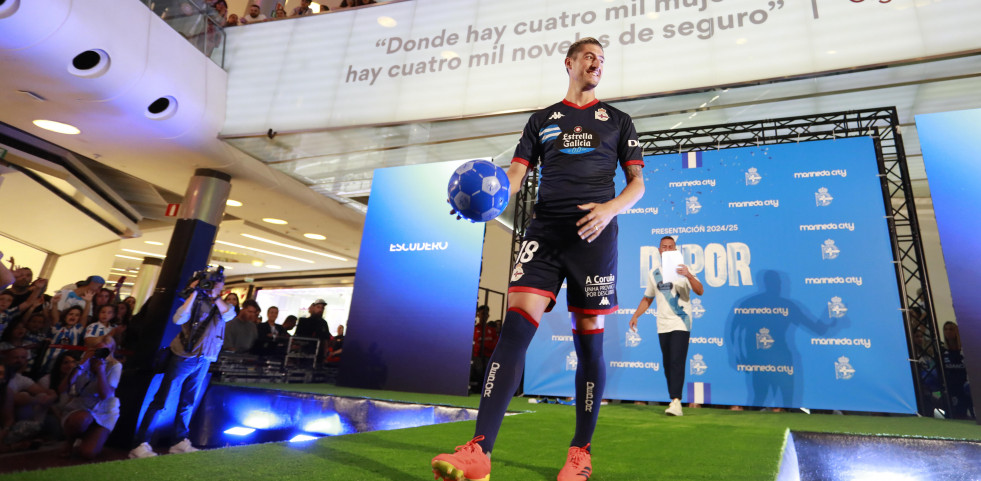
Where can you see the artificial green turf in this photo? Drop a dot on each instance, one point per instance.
(631, 442)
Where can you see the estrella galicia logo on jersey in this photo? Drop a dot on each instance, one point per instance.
(580, 141)
(549, 133)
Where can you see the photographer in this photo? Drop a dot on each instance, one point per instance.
(92, 408)
(203, 316)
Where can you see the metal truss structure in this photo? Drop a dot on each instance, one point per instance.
(882, 125)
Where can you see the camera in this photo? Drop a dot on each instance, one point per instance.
(207, 279)
(101, 353)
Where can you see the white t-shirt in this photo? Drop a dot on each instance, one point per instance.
(69, 298)
(244, 19)
(673, 302)
(97, 329)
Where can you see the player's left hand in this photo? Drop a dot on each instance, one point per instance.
(683, 270)
(592, 224)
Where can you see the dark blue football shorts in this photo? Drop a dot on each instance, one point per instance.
(552, 252)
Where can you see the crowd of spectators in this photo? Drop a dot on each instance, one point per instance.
(249, 333)
(188, 16)
(60, 366)
(59, 362)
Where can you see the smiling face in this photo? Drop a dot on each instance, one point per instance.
(72, 316)
(585, 65)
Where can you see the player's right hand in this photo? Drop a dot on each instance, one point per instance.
(453, 211)
(633, 324)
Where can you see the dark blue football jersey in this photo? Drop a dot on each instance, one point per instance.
(579, 149)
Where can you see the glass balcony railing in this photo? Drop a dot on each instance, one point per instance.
(197, 21)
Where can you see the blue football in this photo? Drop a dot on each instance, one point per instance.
(479, 190)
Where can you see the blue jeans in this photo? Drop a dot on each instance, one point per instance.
(184, 376)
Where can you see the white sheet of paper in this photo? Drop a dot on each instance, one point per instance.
(670, 262)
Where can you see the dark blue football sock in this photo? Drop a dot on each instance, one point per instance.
(590, 381)
(503, 374)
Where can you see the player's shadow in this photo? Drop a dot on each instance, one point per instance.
(762, 330)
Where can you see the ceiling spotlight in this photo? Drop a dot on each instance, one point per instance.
(57, 127)
(274, 221)
(388, 22)
(309, 235)
(270, 266)
(154, 243)
(233, 203)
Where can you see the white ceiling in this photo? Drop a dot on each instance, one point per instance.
(306, 177)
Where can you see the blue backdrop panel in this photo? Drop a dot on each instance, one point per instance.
(950, 145)
(801, 307)
(411, 320)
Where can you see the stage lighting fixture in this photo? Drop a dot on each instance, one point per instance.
(299, 438)
(329, 425)
(239, 431)
(262, 420)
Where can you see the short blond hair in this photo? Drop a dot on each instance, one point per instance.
(579, 44)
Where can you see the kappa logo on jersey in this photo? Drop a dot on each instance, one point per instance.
(550, 133)
(556, 116)
(604, 301)
(580, 141)
(601, 115)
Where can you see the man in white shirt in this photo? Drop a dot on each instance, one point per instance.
(673, 321)
(253, 15)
